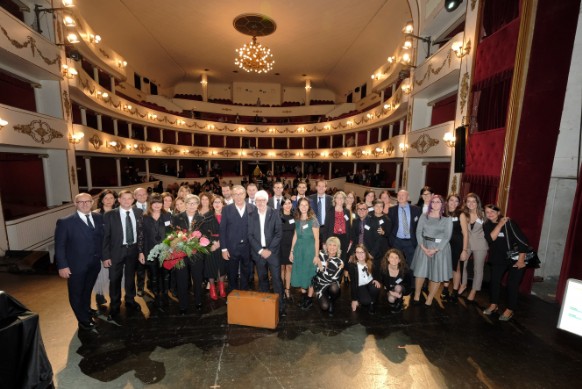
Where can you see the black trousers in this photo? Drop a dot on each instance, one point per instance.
(513, 281)
(368, 294)
(194, 268)
(159, 278)
(264, 266)
(239, 259)
(406, 246)
(141, 271)
(120, 266)
(80, 285)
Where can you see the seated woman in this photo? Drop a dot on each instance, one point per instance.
(364, 287)
(396, 278)
(325, 283)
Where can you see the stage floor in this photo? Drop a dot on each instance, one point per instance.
(444, 346)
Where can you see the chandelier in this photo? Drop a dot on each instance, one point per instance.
(254, 57)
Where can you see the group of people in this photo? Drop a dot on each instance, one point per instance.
(312, 243)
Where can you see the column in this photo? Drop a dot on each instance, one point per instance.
(88, 173)
(397, 178)
(192, 142)
(329, 176)
(147, 170)
(145, 133)
(161, 136)
(367, 137)
(303, 169)
(84, 116)
(377, 168)
(129, 131)
(115, 127)
(48, 186)
(100, 122)
(118, 169)
(112, 84)
(355, 167)
(177, 166)
(317, 142)
(343, 140)
(273, 167)
(96, 74)
(391, 130)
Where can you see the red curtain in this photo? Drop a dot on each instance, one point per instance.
(572, 261)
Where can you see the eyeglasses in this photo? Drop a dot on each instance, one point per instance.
(362, 209)
(192, 203)
(85, 202)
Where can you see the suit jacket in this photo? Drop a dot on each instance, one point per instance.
(376, 244)
(310, 203)
(328, 204)
(272, 230)
(271, 203)
(77, 245)
(234, 229)
(113, 231)
(181, 221)
(394, 216)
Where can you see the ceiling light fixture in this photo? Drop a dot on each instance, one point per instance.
(254, 57)
(451, 5)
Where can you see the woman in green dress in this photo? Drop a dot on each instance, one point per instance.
(304, 248)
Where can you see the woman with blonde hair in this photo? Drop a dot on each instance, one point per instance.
(325, 283)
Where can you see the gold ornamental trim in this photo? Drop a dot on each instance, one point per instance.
(464, 91)
(170, 150)
(431, 70)
(454, 185)
(424, 143)
(96, 141)
(390, 149)
(473, 3)
(30, 41)
(73, 176)
(39, 131)
(67, 104)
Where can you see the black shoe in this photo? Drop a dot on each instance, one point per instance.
(301, 303)
(308, 304)
(140, 292)
(182, 312)
(100, 299)
(133, 306)
(372, 309)
(445, 297)
(454, 297)
(88, 326)
(283, 312)
(93, 312)
(199, 307)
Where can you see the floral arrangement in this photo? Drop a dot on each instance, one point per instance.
(176, 246)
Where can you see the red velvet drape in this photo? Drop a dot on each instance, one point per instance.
(572, 261)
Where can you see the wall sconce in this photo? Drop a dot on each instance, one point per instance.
(271, 130)
(350, 123)
(121, 64)
(461, 50)
(378, 151)
(117, 146)
(180, 122)
(94, 38)
(152, 116)
(68, 21)
(73, 38)
(39, 9)
(156, 149)
(3, 123)
(300, 154)
(449, 139)
(375, 77)
(327, 127)
(75, 137)
(128, 108)
(406, 59)
(408, 29)
(301, 129)
(103, 95)
(241, 129)
(69, 72)
(403, 147)
(391, 59)
(185, 151)
(387, 106)
(210, 127)
(406, 88)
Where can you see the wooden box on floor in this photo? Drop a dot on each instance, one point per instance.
(253, 309)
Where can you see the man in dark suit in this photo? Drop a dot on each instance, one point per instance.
(276, 202)
(404, 218)
(78, 254)
(264, 238)
(322, 205)
(123, 228)
(301, 192)
(234, 239)
(141, 202)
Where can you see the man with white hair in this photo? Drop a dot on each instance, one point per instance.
(264, 231)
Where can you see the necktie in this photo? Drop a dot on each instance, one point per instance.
(319, 211)
(405, 222)
(278, 204)
(128, 230)
(89, 222)
(361, 237)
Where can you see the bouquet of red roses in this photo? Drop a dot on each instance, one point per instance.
(176, 246)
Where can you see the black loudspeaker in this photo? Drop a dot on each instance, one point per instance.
(460, 142)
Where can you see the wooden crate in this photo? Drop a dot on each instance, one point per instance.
(253, 309)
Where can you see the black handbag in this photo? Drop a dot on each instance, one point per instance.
(531, 256)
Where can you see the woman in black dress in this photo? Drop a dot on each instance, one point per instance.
(288, 229)
(190, 220)
(214, 264)
(156, 224)
(106, 202)
(502, 234)
(365, 289)
(459, 244)
(396, 278)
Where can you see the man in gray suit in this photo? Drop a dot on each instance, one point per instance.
(322, 205)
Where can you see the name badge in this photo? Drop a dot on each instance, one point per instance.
(480, 221)
(291, 221)
(381, 221)
(501, 235)
(370, 209)
(455, 219)
(346, 217)
(399, 280)
(437, 240)
(416, 219)
(367, 227)
(305, 226)
(167, 223)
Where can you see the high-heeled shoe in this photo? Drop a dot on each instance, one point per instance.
(490, 310)
(506, 318)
